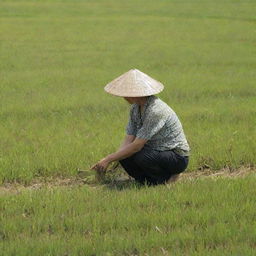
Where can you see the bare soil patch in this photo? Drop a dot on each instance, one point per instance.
(225, 172)
(16, 188)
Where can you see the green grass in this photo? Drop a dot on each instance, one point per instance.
(199, 217)
(56, 56)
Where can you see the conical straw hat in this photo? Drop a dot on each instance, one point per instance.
(134, 83)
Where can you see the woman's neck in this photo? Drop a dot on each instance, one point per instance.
(141, 101)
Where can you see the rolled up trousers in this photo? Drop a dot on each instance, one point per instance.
(154, 167)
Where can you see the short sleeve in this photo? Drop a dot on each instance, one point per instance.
(152, 124)
(131, 126)
(130, 130)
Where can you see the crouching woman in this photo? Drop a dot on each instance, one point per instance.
(155, 149)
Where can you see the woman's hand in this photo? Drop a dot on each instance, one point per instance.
(102, 165)
(124, 152)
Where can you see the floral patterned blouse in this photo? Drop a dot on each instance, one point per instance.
(159, 125)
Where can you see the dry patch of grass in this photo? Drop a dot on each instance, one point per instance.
(120, 181)
(225, 172)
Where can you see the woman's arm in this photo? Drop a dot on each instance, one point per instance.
(127, 150)
(127, 140)
(129, 147)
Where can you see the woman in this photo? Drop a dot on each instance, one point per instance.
(155, 149)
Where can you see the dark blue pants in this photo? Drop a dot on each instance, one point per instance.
(154, 167)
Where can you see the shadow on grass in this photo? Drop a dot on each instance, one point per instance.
(117, 179)
(125, 183)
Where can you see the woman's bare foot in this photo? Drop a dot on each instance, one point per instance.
(173, 179)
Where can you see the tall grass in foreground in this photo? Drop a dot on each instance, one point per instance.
(199, 217)
(56, 56)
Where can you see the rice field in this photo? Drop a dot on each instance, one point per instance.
(56, 57)
(193, 217)
(55, 119)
